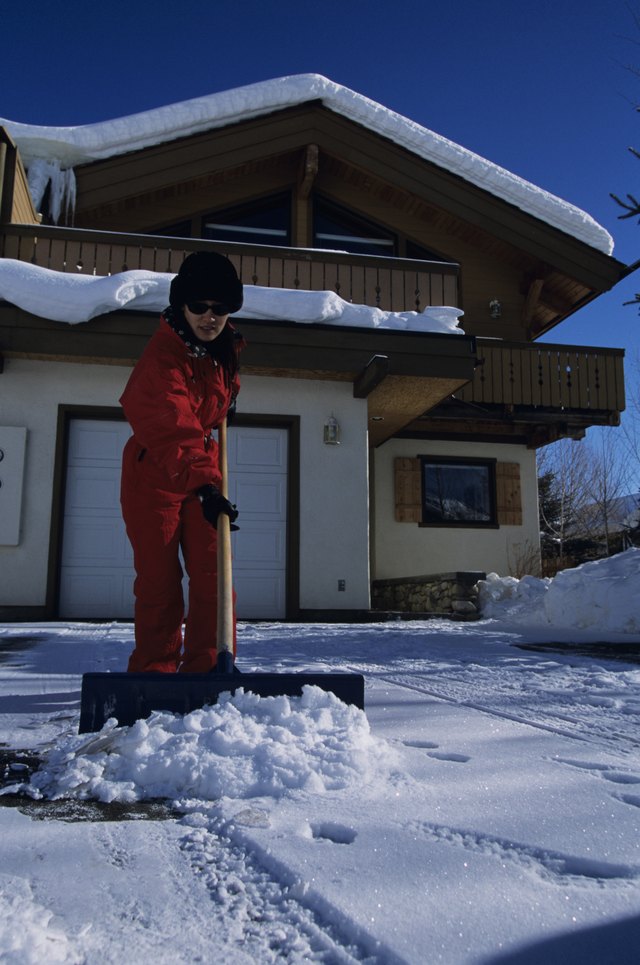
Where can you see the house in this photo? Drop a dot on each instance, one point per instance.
(358, 235)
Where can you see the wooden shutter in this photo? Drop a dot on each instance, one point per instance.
(508, 494)
(408, 490)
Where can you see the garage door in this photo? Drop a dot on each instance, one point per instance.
(96, 577)
(258, 487)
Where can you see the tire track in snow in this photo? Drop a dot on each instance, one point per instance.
(174, 895)
(150, 901)
(274, 921)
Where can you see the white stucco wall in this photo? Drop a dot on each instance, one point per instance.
(334, 511)
(406, 549)
(333, 485)
(30, 392)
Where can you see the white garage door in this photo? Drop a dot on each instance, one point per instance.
(96, 578)
(258, 486)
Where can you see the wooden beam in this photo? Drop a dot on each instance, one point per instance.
(308, 171)
(531, 301)
(3, 193)
(376, 369)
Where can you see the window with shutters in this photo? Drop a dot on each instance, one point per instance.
(458, 492)
(452, 491)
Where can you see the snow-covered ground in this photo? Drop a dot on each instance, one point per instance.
(485, 808)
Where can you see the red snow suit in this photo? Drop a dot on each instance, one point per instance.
(172, 401)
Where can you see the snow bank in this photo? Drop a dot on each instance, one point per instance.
(29, 934)
(73, 298)
(602, 595)
(242, 747)
(66, 147)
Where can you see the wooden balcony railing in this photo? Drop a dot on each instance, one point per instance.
(561, 377)
(538, 375)
(392, 284)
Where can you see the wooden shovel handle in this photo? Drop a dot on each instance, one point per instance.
(225, 628)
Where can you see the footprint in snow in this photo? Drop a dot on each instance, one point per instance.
(455, 758)
(620, 777)
(555, 867)
(581, 765)
(331, 831)
(605, 771)
(425, 745)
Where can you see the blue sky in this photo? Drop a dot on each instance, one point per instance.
(544, 90)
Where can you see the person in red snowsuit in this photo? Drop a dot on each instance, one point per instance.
(181, 389)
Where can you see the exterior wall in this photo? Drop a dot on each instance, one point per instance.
(334, 515)
(406, 549)
(333, 479)
(31, 392)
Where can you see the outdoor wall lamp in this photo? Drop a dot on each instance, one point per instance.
(495, 308)
(332, 431)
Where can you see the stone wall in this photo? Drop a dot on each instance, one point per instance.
(439, 594)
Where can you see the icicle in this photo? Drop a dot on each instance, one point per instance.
(62, 196)
(70, 195)
(38, 176)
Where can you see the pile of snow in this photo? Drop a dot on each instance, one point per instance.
(244, 746)
(29, 934)
(602, 595)
(51, 152)
(65, 297)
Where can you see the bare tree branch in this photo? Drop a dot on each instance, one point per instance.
(632, 209)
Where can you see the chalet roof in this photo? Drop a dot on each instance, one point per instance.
(52, 152)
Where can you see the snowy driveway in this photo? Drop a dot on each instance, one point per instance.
(489, 811)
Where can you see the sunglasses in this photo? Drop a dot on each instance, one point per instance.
(201, 308)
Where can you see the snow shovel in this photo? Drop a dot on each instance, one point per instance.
(128, 697)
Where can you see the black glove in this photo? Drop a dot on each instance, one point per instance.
(214, 503)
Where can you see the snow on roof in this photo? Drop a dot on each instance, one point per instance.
(66, 297)
(63, 148)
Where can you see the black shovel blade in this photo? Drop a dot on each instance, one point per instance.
(133, 696)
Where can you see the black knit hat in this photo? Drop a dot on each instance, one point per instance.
(206, 274)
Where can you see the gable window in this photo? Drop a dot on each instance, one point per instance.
(419, 253)
(335, 228)
(181, 229)
(458, 492)
(266, 222)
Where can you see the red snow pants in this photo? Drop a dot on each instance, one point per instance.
(159, 524)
